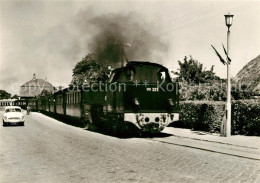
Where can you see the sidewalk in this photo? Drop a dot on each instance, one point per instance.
(237, 140)
(237, 145)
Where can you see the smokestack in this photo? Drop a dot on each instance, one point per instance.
(122, 55)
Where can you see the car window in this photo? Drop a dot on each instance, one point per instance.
(17, 110)
(13, 110)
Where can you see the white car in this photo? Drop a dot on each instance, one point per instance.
(13, 115)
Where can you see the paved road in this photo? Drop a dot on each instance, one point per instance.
(45, 150)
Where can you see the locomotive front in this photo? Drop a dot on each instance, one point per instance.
(146, 96)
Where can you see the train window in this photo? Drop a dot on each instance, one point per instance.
(130, 74)
(161, 76)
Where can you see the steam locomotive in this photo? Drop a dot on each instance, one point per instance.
(139, 96)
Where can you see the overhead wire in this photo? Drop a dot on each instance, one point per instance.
(181, 19)
(176, 19)
(182, 23)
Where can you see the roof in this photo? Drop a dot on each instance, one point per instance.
(34, 87)
(139, 63)
(11, 107)
(8, 100)
(37, 82)
(143, 63)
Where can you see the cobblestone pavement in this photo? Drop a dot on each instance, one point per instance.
(45, 150)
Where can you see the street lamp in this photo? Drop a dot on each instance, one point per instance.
(229, 19)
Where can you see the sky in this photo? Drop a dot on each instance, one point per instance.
(49, 37)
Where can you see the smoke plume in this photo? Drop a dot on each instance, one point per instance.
(107, 31)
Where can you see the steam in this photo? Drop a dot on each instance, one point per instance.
(107, 31)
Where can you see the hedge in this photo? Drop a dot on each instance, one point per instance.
(207, 116)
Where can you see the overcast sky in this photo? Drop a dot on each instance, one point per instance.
(49, 37)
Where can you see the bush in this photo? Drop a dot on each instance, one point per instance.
(207, 116)
(200, 115)
(246, 117)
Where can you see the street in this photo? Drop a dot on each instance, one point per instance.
(45, 150)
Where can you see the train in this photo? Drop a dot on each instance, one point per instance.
(138, 96)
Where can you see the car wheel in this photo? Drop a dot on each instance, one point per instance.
(22, 124)
(4, 123)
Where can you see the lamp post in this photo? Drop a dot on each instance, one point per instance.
(229, 19)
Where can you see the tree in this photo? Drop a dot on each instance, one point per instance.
(15, 97)
(87, 71)
(45, 93)
(4, 94)
(192, 71)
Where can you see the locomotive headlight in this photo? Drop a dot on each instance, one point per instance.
(136, 101)
(170, 102)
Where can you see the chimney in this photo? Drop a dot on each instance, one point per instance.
(34, 76)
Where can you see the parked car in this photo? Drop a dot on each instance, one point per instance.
(13, 115)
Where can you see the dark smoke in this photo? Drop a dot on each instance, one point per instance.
(106, 30)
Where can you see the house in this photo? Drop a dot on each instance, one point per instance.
(35, 87)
